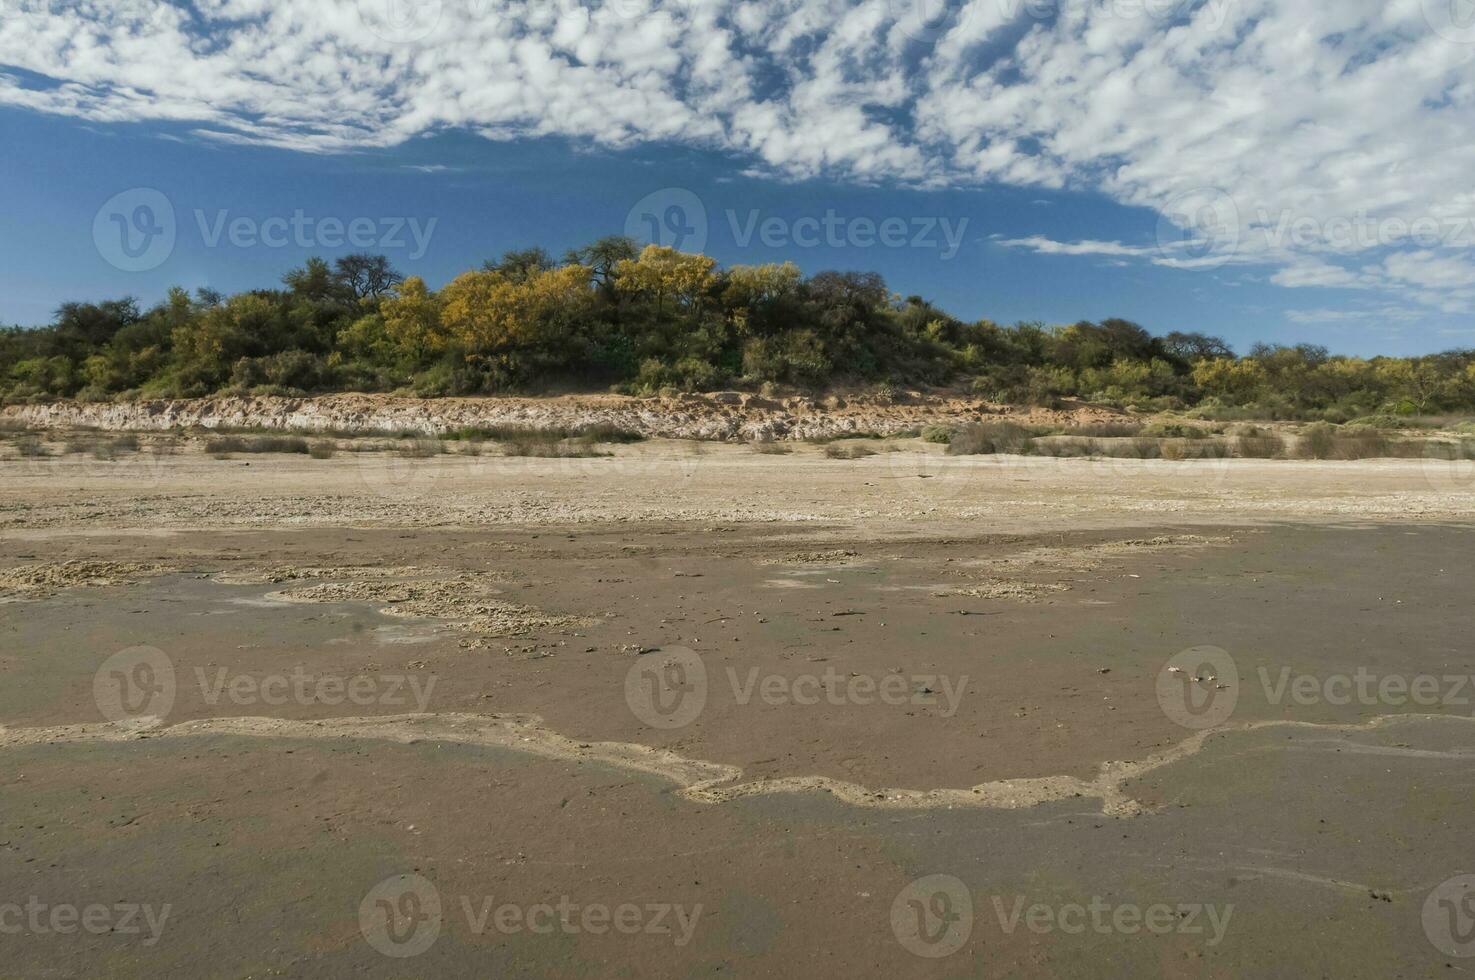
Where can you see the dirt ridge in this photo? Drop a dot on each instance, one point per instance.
(721, 416)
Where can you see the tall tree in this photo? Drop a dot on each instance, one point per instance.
(368, 276)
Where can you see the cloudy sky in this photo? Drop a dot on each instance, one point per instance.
(1267, 169)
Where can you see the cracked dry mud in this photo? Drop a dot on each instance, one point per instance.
(501, 745)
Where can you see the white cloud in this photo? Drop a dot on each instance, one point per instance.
(1302, 116)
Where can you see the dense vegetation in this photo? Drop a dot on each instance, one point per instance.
(642, 321)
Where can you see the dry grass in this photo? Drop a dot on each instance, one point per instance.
(600, 433)
(837, 450)
(223, 446)
(421, 448)
(30, 446)
(987, 438)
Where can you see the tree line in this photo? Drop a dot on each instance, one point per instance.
(643, 321)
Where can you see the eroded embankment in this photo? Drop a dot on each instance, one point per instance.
(725, 416)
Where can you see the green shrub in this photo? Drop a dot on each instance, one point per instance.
(941, 434)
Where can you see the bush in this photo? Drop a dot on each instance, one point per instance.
(941, 434)
(1106, 430)
(225, 445)
(1173, 430)
(1178, 450)
(1261, 444)
(30, 446)
(837, 450)
(1317, 441)
(986, 438)
(1380, 422)
(421, 448)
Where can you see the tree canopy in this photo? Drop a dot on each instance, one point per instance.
(643, 320)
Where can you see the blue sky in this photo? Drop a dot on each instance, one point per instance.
(950, 156)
